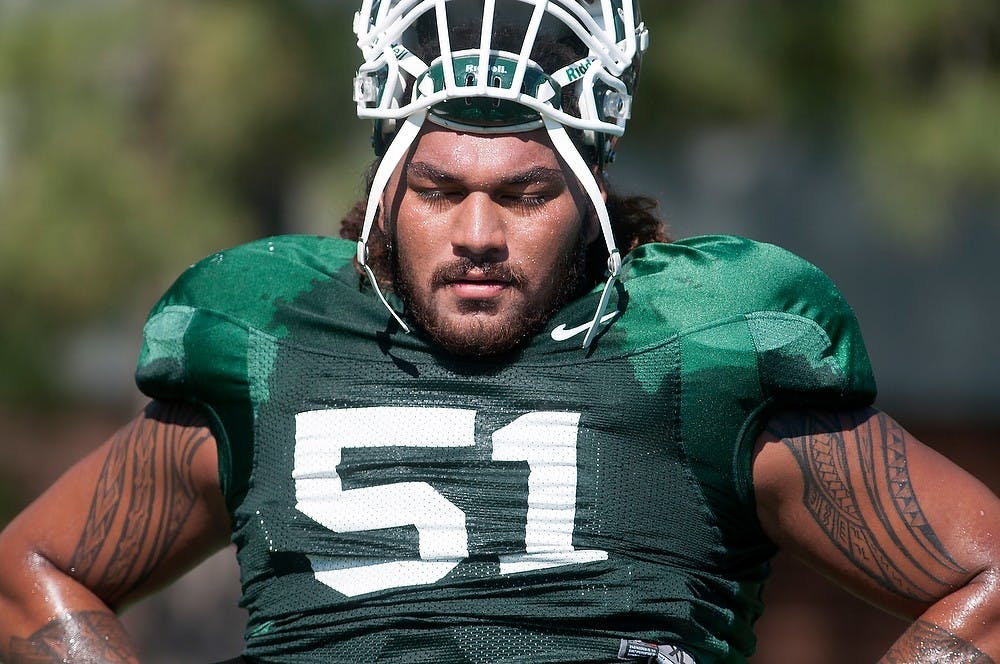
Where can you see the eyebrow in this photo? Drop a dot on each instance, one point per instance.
(534, 175)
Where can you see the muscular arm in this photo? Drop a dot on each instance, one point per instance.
(860, 499)
(136, 513)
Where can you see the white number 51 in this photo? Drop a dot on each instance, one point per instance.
(545, 440)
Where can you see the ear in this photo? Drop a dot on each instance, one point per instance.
(395, 188)
(380, 217)
(391, 196)
(593, 225)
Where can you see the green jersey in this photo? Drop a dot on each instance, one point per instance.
(391, 503)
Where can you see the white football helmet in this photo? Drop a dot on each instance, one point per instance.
(552, 64)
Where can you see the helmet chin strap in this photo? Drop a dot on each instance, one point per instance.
(563, 144)
(393, 156)
(567, 150)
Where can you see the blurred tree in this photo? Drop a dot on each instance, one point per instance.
(135, 137)
(925, 112)
(906, 90)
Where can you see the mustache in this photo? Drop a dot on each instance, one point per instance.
(461, 268)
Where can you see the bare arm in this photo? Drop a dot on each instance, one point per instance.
(136, 513)
(861, 500)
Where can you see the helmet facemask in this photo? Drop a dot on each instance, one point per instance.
(562, 65)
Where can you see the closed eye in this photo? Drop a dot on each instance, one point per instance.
(438, 197)
(525, 201)
(526, 190)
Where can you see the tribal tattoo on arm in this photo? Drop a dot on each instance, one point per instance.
(143, 495)
(84, 637)
(857, 488)
(933, 644)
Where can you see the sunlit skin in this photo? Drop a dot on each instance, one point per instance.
(489, 232)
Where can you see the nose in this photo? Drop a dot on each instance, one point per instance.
(478, 229)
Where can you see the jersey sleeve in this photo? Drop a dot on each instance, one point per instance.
(192, 352)
(809, 347)
(758, 329)
(213, 331)
(796, 336)
(806, 343)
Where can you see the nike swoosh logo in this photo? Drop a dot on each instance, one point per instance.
(561, 333)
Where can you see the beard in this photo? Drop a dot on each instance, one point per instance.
(485, 327)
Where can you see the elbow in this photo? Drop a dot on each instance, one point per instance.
(33, 584)
(983, 595)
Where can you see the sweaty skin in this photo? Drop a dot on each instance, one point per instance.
(856, 496)
(136, 513)
(850, 493)
(490, 236)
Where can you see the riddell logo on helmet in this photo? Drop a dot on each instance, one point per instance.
(577, 71)
(494, 69)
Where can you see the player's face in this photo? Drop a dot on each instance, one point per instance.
(489, 236)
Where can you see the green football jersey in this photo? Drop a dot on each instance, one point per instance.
(391, 503)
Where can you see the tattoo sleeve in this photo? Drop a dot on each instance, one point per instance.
(84, 637)
(926, 642)
(143, 495)
(857, 488)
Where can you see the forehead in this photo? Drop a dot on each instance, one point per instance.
(466, 154)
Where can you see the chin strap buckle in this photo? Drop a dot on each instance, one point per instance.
(614, 268)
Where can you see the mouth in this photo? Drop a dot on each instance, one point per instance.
(478, 286)
(476, 282)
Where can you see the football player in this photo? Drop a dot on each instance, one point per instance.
(504, 420)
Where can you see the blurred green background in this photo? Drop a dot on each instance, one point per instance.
(137, 137)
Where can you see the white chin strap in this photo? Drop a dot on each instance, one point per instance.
(567, 150)
(393, 157)
(397, 150)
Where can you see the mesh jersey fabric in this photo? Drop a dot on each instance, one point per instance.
(393, 504)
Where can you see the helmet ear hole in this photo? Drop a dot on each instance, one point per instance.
(608, 150)
(382, 135)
